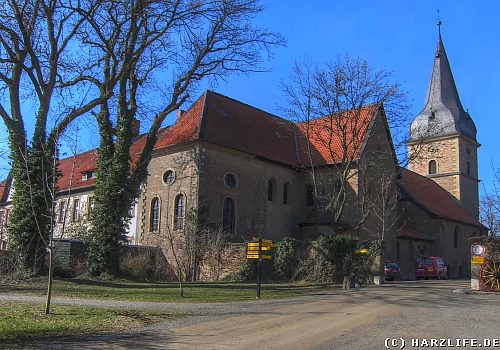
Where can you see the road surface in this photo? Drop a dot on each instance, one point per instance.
(358, 319)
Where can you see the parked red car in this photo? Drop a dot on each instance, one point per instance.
(430, 266)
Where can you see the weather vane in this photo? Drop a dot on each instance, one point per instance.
(439, 20)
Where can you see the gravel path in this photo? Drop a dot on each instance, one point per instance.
(356, 319)
(196, 313)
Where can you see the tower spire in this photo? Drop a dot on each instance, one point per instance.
(443, 113)
(439, 23)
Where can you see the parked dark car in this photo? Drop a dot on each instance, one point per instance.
(392, 270)
(431, 266)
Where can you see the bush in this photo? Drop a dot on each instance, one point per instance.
(144, 263)
(316, 269)
(288, 256)
(340, 251)
(328, 260)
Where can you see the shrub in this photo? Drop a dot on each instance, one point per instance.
(316, 269)
(339, 250)
(144, 263)
(288, 256)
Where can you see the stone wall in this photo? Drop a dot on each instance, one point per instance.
(215, 267)
(451, 155)
(255, 214)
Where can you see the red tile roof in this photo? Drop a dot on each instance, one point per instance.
(71, 170)
(239, 126)
(185, 129)
(177, 133)
(432, 197)
(230, 123)
(340, 137)
(4, 189)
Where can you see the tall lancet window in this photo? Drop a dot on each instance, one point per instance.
(154, 215)
(179, 212)
(228, 215)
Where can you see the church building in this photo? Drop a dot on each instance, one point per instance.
(233, 166)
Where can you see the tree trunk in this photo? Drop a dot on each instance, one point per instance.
(51, 272)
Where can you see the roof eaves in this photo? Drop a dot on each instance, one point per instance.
(373, 118)
(203, 117)
(426, 209)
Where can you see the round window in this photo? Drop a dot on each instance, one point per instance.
(168, 177)
(230, 180)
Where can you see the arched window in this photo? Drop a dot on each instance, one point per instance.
(455, 237)
(271, 188)
(309, 195)
(286, 189)
(432, 167)
(154, 217)
(179, 205)
(228, 215)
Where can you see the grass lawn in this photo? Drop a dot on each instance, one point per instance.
(161, 292)
(21, 323)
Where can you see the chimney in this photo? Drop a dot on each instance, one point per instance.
(179, 113)
(136, 126)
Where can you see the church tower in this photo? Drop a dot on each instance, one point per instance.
(442, 137)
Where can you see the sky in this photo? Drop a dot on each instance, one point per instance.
(399, 36)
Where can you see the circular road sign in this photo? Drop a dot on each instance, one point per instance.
(477, 249)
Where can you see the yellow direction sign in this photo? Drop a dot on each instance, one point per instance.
(478, 260)
(256, 256)
(257, 248)
(362, 251)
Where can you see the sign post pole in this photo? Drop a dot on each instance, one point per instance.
(259, 260)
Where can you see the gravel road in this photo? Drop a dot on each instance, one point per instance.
(356, 319)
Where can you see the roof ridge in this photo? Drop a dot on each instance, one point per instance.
(78, 154)
(252, 107)
(344, 110)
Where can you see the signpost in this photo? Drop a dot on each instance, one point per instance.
(254, 251)
(477, 260)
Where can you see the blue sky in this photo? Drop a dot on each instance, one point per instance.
(400, 36)
(396, 35)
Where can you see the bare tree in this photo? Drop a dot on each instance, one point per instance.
(142, 48)
(37, 55)
(384, 206)
(334, 106)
